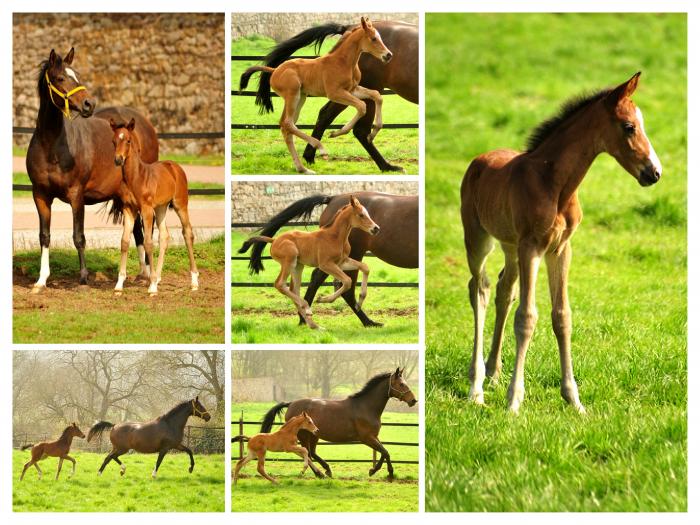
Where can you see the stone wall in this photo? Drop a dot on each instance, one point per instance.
(281, 26)
(169, 66)
(258, 201)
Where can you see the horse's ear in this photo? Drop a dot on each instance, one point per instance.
(130, 127)
(112, 124)
(68, 59)
(197, 397)
(52, 57)
(363, 21)
(355, 203)
(398, 372)
(625, 89)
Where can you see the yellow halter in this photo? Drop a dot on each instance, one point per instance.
(198, 413)
(65, 96)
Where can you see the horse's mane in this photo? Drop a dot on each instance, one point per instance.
(175, 409)
(369, 385)
(292, 419)
(65, 431)
(343, 38)
(571, 107)
(330, 223)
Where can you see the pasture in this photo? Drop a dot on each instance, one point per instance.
(67, 312)
(263, 315)
(174, 490)
(350, 490)
(627, 282)
(264, 151)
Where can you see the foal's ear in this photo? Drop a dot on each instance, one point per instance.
(130, 127)
(625, 89)
(354, 202)
(68, 59)
(112, 124)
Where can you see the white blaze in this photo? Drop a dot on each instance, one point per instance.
(653, 157)
(72, 74)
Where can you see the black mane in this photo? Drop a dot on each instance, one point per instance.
(567, 110)
(370, 385)
(177, 408)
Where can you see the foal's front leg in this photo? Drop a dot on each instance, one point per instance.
(333, 269)
(163, 238)
(352, 264)
(126, 237)
(558, 273)
(147, 214)
(364, 93)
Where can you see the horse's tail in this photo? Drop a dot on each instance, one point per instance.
(98, 428)
(263, 98)
(269, 418)
(240, 438)
(301, 209)
(284, 51)
(25, 447)
(115, 211)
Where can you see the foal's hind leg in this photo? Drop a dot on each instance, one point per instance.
(505, 297)
(261, 468)
(558, 273)
(479, 245)
(293, 100)
(188, 235)
(287, 265)
(240, 464)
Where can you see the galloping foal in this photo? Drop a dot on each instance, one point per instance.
(335, 76)
(528, 202)
(58, 448)
(148, 189)
(284, 440)
(327, 248)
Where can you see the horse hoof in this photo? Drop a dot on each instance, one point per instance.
(477, 398)
(329, 474)
(307, 171)
(36, 289)
(117, 293)
(191, 469)
(371, 472)
(373, 324)
(194, 288)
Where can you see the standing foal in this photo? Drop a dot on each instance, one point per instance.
(149, 189)
(528, 202)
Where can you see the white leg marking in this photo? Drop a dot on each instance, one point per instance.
(195, 281)
(45, 271)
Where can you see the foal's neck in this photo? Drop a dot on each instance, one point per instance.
(134, 169)
(342, 226)
(349, 51)
(569, 152)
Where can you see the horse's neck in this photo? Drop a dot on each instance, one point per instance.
(50, 122)
(349, 51)
(180, 417)
(377, 398)
(568, 154)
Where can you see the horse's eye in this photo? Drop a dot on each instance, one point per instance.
(60, 79)
(629, 128)
(128, 142)
(374, 39)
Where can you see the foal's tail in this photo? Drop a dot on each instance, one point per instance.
(264, 97)
(240, 438)
(98, 428)
(269, 418)
(25, 447)
(301, 209)
(284, 51)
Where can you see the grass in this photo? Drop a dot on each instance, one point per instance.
(68, 313)
(174, 490)
(350, 490)
(264, 151)
(627, 282)
(263, 315)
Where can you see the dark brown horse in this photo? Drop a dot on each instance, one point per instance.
(400, 75)
(72, 159)
(358, 417)
(396, 243)
(159, 435)
(58, 448)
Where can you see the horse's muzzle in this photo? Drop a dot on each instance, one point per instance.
(649, 175)
(412, 402)
(88, 108)
(119, 161)
(386, 57)
(374, 230)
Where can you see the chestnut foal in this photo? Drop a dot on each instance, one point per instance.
(284, 440)
(149, 189)
(335, 76)
(528, 202)
(327, 248)
(58, 448)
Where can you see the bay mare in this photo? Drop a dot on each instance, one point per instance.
(358, 417)
(70, 156)
(159, 435)
(528, 202)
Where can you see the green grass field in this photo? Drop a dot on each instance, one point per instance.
(174, 490)
(68, 313)
(350, 490)
(627, 281)
(263, 315)
(264, 151)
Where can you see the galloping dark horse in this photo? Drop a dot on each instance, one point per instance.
(396, 243)
(400, 75)
(72, 158)
(355, 418)
(159, 435)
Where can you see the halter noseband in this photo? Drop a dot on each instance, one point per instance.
(401, 392)
(65, 96)
(199, 413)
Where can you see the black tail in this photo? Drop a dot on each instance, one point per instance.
(300, 209)
(269, 418)
(240, 438)
(98, 428)
(25, 447)
(284, 50)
